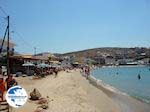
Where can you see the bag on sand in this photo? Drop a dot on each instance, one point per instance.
(35, 94)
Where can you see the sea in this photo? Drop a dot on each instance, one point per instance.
(126, 80)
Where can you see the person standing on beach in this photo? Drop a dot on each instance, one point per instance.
(10, 81)
(56, 72)
(37, 71)
(2, 86)
(81, 70)
(88, 72)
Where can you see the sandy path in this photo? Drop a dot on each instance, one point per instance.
(69, 92)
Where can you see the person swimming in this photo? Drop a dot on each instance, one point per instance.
(139, 76)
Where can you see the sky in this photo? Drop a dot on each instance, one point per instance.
(61, 26)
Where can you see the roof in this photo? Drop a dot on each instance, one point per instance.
(27, 57)
(56, 62)
(76, 63)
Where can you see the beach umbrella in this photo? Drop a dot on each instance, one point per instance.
(43, 65)
(28, 65)
(54, 65)
(49, 66)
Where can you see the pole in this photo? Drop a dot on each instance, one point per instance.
(34, 51)
(8, 69)
(35, 54)
(3, 40)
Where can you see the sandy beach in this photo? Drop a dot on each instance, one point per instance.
(70, 92)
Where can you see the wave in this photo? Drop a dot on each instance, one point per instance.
(141, 98)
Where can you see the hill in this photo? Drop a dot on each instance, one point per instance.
(111, 52)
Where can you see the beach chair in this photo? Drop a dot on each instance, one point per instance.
(4, 107)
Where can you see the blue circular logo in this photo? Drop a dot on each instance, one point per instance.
(16, 96)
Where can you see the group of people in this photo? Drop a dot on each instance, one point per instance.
(46, 71)
(5, 84)
(85, 71)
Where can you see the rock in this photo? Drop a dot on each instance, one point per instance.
(43, 106)
(39, 110)
(35, 94)
(42, 101)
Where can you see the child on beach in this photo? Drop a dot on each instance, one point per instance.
(10, 81)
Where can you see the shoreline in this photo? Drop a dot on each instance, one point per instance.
(140, 98)
(126, 102)
(124, 66)
(115, 90)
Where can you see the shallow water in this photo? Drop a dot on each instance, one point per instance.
(126, 80)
